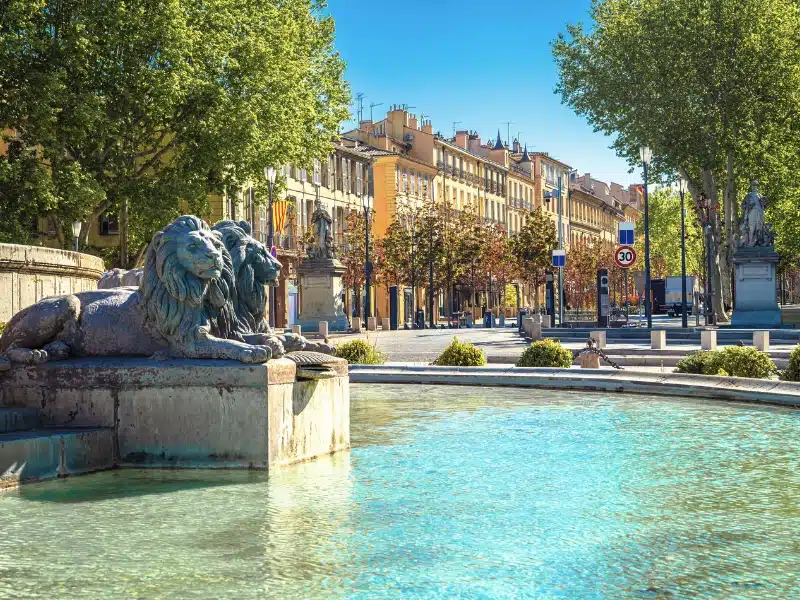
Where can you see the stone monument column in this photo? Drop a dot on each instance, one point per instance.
(755, 261)
(321, 278)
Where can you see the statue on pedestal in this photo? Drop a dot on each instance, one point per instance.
(321, 223)
(755, 260)
(753, 231)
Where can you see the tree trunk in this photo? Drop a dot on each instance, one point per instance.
(59, 230)
(123, 234)
(139, 255)
(718, 258)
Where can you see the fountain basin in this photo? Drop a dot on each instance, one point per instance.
(187, 413)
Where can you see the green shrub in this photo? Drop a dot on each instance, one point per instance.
(792, 372)
(546, 353)
(699, 363)
(360, 352)
(734, 361)
(460, 354)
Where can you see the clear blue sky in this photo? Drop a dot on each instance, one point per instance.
(478, 62)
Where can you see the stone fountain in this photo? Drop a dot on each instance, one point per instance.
(182, 371)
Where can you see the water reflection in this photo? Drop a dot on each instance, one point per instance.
(448, 492)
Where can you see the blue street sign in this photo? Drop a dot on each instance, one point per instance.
(625, 234)
(559, 259)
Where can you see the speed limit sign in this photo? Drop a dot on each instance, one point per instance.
(625, 256)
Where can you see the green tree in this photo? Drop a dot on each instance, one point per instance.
(354, 254)
(496, 260)
(710, 85)
(532, 248)
(145, 107)
(665, 234)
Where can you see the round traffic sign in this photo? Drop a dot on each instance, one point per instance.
(625, 256)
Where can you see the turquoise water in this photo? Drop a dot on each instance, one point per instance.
(448, 493)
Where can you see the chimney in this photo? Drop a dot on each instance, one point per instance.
(365, 126)
(412, 122)
(427, 127)
(461, 139)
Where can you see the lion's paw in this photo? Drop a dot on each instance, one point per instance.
(256, 354)
(26, 356)
(274, 344)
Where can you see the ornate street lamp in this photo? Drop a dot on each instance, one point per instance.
(646, 155)
(366, 204)
(682, 190)
(76, 232)
(269, 173)
(548, 196)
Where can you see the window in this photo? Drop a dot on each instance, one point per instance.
(397, 178)
(426, 188)
(413, 182)
(108, 224)
(330, 178)
(359, 179)
(317, 172)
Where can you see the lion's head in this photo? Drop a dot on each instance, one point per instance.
(188, 281)
(254, 267)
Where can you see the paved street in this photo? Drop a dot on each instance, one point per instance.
(500, 345)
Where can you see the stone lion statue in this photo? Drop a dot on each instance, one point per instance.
(254, 269)
(120, 278)
(184, 308)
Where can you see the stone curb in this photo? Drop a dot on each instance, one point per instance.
(740, 389)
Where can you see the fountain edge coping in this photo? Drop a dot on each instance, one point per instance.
(124, 372)
(766, 391)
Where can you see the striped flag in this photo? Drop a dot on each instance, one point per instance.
(280, 209)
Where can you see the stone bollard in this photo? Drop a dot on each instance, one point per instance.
(356, 324)
(323, 328)
(297, 330)
(385, 324)
(536, 331)
(599, 337)
(761, 340)
(708, 339)
(590, 361)
(526, 326)
(372, 323)
(658, 339)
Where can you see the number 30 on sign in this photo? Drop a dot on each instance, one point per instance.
(625, 256)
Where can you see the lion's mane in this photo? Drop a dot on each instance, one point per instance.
(251, 297)
(178, 304)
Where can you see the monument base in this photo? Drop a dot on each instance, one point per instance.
(322, 295)
(756, 303)
(180, 413)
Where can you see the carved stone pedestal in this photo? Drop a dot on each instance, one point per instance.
(321, 284)
(756, 296)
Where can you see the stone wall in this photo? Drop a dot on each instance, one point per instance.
(30, 273)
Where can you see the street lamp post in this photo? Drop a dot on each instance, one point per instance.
(366, 201)
(413, 273)
(646, 154)
(684, 316)
(548, 196)
(76, 233)
(269, 173)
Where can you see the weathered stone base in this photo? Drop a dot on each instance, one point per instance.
(189, 413)
(756, 295)
(768, 319)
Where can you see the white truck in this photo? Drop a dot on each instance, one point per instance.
(673, 294)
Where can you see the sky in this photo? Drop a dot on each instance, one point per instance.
(481, 63)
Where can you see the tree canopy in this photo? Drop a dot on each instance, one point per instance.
(156, 104)
(712, 86)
